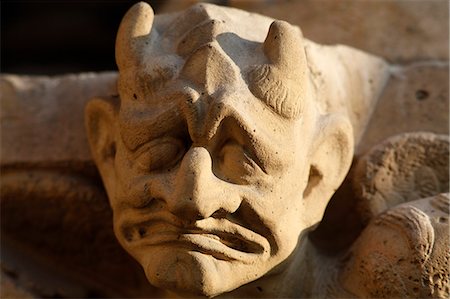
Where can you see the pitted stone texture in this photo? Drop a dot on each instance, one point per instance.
(403, 168)
(403, 253)
(219, 48)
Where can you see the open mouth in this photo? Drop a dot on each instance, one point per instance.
(217, 237)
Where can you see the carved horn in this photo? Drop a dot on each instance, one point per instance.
(136, 24)
(282, 83)
(284, 48)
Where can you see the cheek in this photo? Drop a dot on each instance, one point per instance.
(288, 225)
(282, 203)
(288, 209)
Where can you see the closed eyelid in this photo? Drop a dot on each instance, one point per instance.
(248, 150)
(164, 153)
(256, 160)
(154, 142)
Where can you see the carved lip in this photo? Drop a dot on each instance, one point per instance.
(220, 238)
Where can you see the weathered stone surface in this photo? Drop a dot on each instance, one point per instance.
(415, 99)
(400, 31)
(398, 242)
(404, 168)
(55, 213)
(224, 127)
(205, 194)
(403, 253)
(53, 220)
(41, 116)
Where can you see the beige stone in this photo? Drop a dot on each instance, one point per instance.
(236, 178)
(393, 241)
(415, 99)
(402, 253)
(225, 149)
(404, 168)
(399, 31)
(41, 116)
(54, 212)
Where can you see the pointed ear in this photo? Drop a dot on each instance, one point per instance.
(100, 115)
(330, 161)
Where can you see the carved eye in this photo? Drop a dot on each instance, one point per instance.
(160, 154)
(235, 164)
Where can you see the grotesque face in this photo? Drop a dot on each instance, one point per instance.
(213, 167)
(208, 196)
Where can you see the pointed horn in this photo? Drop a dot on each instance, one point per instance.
(282, 83)
(136, 23)
(284, 47)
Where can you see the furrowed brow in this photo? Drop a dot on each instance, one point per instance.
(138, 126)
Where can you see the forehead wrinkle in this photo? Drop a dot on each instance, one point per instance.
(139, 125)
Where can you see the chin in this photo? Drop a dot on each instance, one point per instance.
(190, 273)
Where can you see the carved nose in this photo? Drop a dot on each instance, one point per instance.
(198, 192)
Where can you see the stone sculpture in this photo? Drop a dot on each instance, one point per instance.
(250, 138)
(231, 134)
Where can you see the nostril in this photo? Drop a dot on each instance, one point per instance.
(127, 234)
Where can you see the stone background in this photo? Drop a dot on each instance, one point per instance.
(57, 239)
